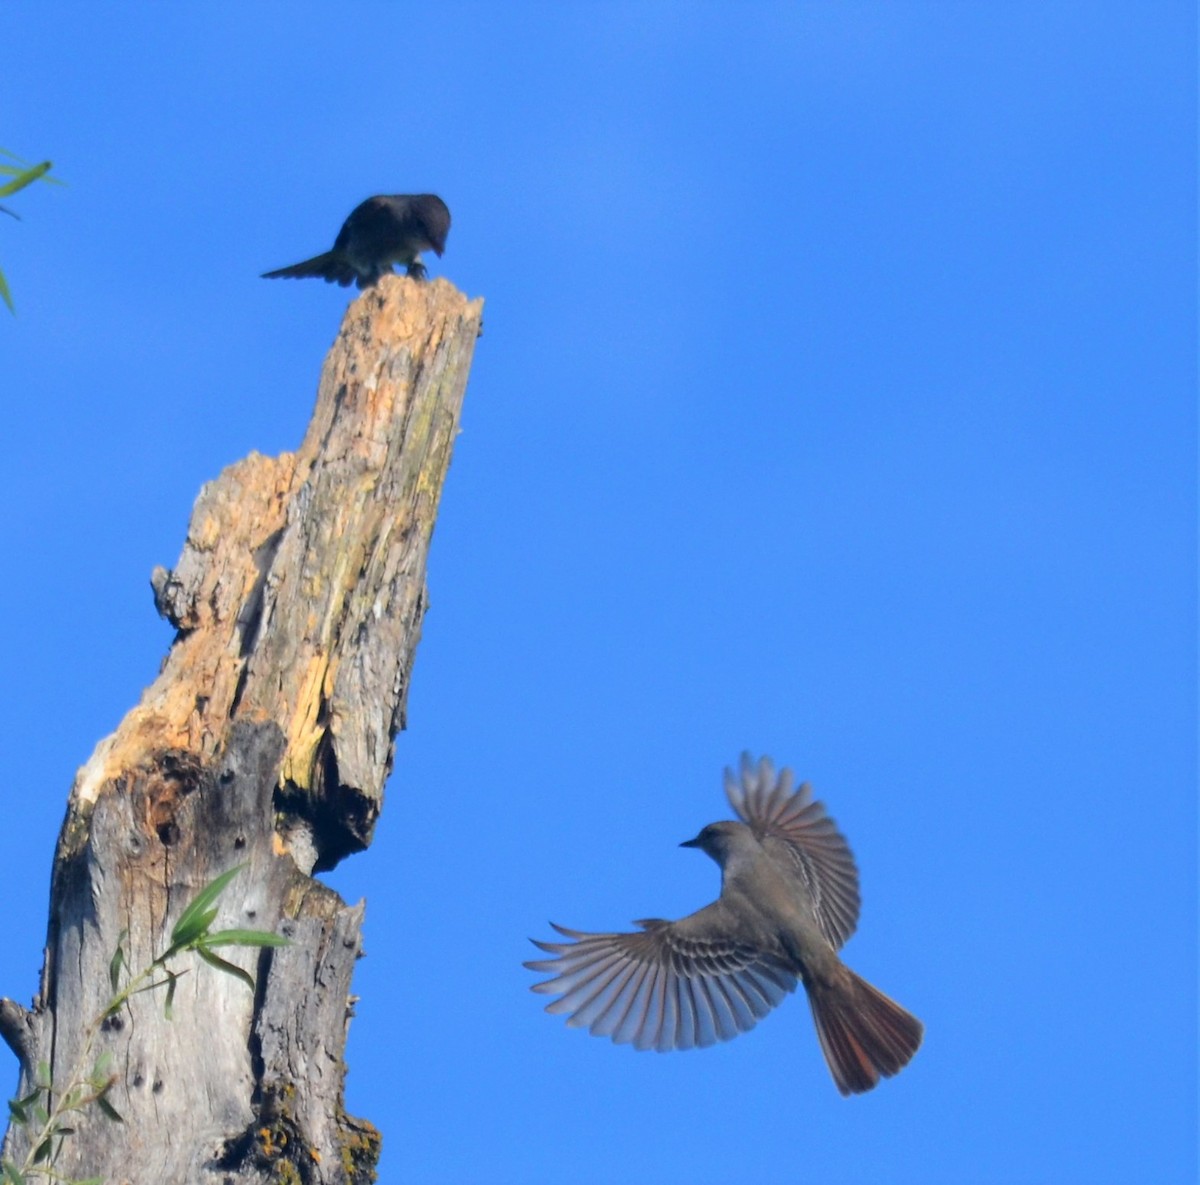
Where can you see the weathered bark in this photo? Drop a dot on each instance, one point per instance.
(266, 740)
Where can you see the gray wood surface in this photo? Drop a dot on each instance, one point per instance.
(266, 739)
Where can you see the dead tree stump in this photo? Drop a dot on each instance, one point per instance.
(266, 740)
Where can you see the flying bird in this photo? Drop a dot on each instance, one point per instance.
(380, 232)
(789, 900)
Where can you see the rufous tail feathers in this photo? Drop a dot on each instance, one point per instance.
(864, 1034)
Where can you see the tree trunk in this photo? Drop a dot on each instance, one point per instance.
(265, 741)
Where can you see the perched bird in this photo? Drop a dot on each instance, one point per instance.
(380, 232)
(789, 900)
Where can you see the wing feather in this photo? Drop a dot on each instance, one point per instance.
(670, 985)
(802, 838)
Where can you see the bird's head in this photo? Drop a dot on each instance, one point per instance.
(721, 840)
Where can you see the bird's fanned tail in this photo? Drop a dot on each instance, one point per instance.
(864, 1034)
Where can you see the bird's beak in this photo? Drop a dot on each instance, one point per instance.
(691, 843)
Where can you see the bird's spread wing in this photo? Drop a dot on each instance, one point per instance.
(675, 985)
(803, 838)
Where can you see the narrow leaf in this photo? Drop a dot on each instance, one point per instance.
(186, 933)
(17, 1112)
(43, 1150)
(118, 961)
(22, 179)
(43, 1078)
(246, 938)
(12, 1175)
(199, 906)
(5, 295)
(23, 166)
(229, 968)
(169, 1003)
(109, 1110)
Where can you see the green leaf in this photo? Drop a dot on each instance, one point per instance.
(12, 1174)
(229, 968)
(169, 1002)
(118, 961)
(190, 925)
(5, 295)
(24, 178)
(23, 166)
(43, 1078)
(197, 926)
(109, 1110)
(103, 1066)
(43, 1150)
(245, 938)
(19, 1108)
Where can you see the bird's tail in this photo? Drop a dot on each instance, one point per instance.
(864, 1034)
(330, 266)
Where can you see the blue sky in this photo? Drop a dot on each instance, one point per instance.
(836, 401)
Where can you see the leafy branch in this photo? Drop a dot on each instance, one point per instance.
(21, 174)
(48, 1107)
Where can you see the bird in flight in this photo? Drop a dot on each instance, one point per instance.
(380, 232)
(789, 901)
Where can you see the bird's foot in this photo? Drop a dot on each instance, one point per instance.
(417, 271)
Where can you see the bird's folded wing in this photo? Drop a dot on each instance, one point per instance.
(380, 225)
(675, 985)
(803, 838)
